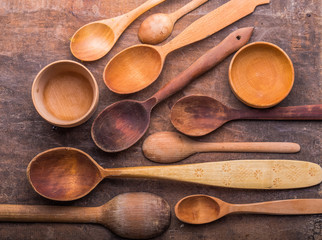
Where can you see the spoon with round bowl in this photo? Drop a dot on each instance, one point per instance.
(138, 66)
(136, 215)
(65, 174)
(123, 123)
(169, 147)
(96, 39)
(158, 27)
(201, 209)
(198, 115)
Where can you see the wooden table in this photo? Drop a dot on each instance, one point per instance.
(35, 33)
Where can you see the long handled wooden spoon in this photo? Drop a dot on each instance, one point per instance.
(197, 115)
(95, 39)
(169, 147)
(200, 209)
(158, 27)
(137, 67)
(66, 174)
(136, 215)
(123, 123)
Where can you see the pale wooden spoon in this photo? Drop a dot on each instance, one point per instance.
(200, 209)
(158, 27)
(95, 39)
(169, 147)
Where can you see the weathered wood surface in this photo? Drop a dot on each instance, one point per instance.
(35, 33)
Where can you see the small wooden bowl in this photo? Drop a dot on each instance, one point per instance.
(261, 74)
(65, 93)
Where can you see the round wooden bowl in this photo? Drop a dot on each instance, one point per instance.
(65, 93)
(261, 74)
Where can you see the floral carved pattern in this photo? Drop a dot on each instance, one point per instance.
(226, 167)
(227, 181)
(277, 182)
(199, 172)
(258, 174)
(313, 171)
(277, 167)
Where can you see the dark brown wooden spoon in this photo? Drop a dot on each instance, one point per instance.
(198, 115)
(136, 215)
(123, 123)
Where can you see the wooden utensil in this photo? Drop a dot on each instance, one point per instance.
(158, 27)
(197, 115)
(137, 67)
(66, 174)
(123, 123)
(200, 209)
(261, 74)
(95, 39)
(169, 147)
(136, 215)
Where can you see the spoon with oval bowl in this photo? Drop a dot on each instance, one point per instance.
(200, 209)
(94, 40)
(123, 123)
(158, 27)
(169, 147)
(138, 66)
(136, 215)
(198, 115)
(66, 174)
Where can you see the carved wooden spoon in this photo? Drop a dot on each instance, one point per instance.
(66, 174)
(158, 27)
(200, 209)
(198, 115)
(136, 215)
(169, 147)
(95, 39)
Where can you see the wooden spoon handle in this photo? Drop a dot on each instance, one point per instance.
(230, 44)
(306, 112)
(39, 213)
(281, 207)
(186, 9)
(214, 21)
(249, 174)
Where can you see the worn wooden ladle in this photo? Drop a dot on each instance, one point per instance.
(66, 174)
(95, 39)
(123, 123)
(138, 66)
(200, 209)
(136, 215)
(158, 27)
(197, 115)
(169, 147)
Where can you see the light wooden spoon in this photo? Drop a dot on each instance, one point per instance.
(138, 66)
(169, 147)
(158, 27)
(95, 39)
(136, 215)
(200, 209)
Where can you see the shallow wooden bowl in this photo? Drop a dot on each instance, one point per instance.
(65, 93)
(261, 74)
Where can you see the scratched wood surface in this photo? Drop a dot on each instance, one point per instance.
(35, 33)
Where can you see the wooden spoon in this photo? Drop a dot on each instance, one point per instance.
(197, 115)
(169, 147)
(95, 39)
(123, 123)
(138, 66)
(136, 215)
(66, 174)
(200, 209)
(158, 27)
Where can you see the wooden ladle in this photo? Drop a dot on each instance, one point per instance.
(158, 27)
(66, 174)
(136, 215)
(197, 115)
(138, 66)
(123, 123)
(169, 147)
(200, 209)
(95, 39)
